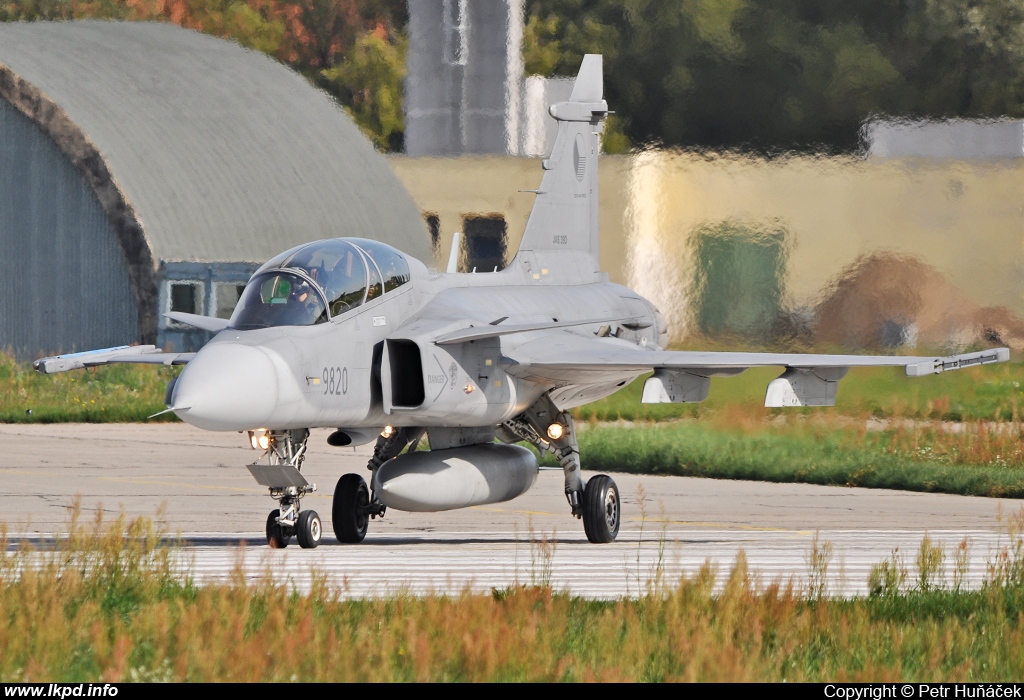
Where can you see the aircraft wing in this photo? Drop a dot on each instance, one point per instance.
(137, 354)
(808, 379)
(493, 330)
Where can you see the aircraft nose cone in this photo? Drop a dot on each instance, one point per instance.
(226, 387)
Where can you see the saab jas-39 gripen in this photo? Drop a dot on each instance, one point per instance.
(353, 335)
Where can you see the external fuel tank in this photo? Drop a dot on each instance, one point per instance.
(455, 478)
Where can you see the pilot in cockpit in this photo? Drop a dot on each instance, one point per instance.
(304, 306)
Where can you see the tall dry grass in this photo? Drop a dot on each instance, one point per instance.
(969, 443)
(108, 602)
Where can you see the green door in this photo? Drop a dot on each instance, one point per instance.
(739, 279)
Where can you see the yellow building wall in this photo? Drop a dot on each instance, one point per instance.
(452, 188)
(964, 218)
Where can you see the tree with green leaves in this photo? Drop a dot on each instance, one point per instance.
(779, 75)
(369, 81)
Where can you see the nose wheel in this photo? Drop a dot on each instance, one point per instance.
(278, 536)
(309, 529)
(278, 470)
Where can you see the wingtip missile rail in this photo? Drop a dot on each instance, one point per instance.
(121, 353)
(946, 364)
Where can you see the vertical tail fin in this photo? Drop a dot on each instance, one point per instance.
(561, 236)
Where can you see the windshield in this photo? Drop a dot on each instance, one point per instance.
(278, 298)
(392, 264)
(337, 267)
(312, 283)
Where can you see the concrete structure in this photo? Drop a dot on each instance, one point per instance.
(145, 168)
(539, 127)
(465, 92)
(960, 219)
(955, 139)
(464, 81)
(466, 95)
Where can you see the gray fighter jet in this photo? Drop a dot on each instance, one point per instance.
(353, 335)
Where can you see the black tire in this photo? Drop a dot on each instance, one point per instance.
(309, 529)
(602, 509)
(277, 537)
(348, 513)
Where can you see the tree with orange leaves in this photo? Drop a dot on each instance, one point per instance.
(353, 49)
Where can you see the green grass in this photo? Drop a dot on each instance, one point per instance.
(993, 392)
(114, 394)
(917, 459)
(110, 603)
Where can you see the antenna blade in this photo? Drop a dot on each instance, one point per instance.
(453, 257)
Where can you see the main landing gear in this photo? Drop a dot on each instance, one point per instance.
(601, 509)
(278, 469)
(596, 502)
(354, 503)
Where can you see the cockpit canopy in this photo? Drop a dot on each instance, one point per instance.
(319, 281)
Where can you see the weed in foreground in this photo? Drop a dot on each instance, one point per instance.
(818, 561)
(930, 560)
(961, 563)
(889, 577)
(1006, 570)
(542, 555)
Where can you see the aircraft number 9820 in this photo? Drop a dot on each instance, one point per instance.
(335, 380)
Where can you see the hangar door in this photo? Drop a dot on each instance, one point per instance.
(64, 282)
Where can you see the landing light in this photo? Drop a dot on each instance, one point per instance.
(556, 430)
(387, 432)
(259, 439)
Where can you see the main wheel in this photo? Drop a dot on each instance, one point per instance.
(309, 529)
(277, 536)
(601, 509)
(348, 514)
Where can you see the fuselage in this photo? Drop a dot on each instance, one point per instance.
(376, 364)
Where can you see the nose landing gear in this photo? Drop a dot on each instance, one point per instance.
(278, 470)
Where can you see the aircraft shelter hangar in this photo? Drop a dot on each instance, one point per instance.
(146, 168)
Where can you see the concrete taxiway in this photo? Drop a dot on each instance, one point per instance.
(194, 483)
